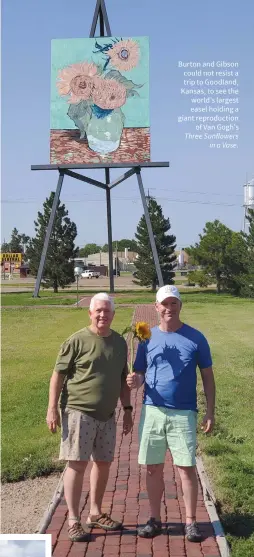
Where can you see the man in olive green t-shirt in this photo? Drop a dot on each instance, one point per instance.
(90, 374)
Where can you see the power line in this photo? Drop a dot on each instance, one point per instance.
(157, 189)
(194, 192)
(132, 199)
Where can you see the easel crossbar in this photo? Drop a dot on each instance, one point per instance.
(99, 165)
(85, 179)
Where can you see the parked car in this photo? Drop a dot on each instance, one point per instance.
(90, 274)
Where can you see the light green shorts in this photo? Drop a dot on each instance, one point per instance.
(166, 428)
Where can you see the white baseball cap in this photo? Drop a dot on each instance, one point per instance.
(167, 291)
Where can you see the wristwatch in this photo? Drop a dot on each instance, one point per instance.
(128, 408)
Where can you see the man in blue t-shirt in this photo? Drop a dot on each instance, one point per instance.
(166, 364)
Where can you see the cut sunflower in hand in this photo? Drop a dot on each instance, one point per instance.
(142, 332)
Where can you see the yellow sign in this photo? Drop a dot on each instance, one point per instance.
(11, 257)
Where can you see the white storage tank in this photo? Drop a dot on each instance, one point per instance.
(249, 194)
(181, 258)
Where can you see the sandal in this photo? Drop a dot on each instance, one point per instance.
(193, 533)
(77, 533)
(151, 529)
(103, 521)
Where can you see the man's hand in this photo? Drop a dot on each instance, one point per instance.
(53, 419)
(127, 422)
(207, 423)
(133, 380)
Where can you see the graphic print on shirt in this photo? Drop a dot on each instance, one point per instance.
(170, 360)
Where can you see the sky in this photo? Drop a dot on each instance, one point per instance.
(202, 184)
(22, 548)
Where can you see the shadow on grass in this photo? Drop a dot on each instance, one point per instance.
(239, 525)
(216, 447)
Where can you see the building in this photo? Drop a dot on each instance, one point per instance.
(125, 259)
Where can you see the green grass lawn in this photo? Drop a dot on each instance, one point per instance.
(30, 342)
(195, 295)
(46, 298)
(229, 453)
(121, 297)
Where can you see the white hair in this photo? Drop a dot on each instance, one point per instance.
(102, 296)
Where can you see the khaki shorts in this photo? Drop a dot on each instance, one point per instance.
(166, 428)
(83, 437)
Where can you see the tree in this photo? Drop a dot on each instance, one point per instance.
(59, 268)
(89, 249)
(24, 241)
(235, 264)
(247, 287)
(121, 245)
(222, 255)
(125, 243)
(199, 277)
(146, 271)
(16, 244)
(5, 247)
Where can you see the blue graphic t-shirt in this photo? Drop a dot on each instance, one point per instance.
(169, 361)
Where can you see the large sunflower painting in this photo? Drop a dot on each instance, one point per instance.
(100, 100)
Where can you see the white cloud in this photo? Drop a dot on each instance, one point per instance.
(22, 548)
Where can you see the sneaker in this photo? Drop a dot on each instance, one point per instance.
(192, 532)
(151, 529)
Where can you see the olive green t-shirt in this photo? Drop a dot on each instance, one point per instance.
(93, 366)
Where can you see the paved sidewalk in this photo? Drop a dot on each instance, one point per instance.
(126, 499)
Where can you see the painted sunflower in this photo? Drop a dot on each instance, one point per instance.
(108, 93)
(124, 55)
(77, 81)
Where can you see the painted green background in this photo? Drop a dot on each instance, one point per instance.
(70, 51)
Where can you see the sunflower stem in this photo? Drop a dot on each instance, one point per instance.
(131, 353)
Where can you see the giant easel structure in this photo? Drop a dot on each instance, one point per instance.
(101, 17)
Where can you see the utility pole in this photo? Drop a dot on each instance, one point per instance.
(116, 259)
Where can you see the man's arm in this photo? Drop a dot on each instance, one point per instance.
(63, 364)
(209, 390)
(125, 393)
(55, 388)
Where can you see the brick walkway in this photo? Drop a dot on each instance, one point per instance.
(126, 499)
